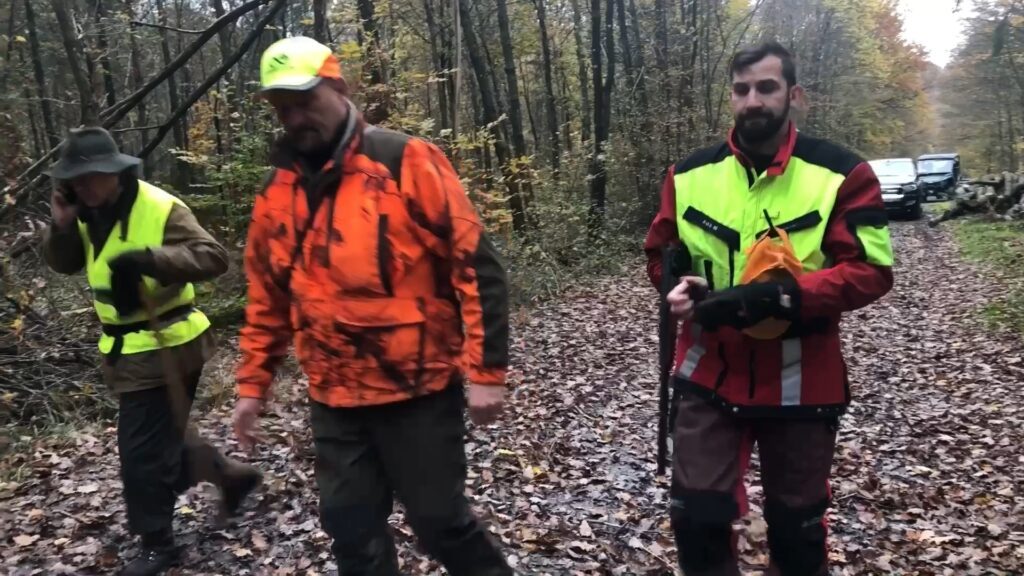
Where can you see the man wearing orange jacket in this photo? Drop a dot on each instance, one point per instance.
(365, 250)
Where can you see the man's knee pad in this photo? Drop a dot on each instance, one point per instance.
(796, 537)
(702, 522)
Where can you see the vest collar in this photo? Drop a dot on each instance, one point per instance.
(781, 161)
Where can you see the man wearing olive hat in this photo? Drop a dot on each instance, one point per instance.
(365, 251)
(137, 241)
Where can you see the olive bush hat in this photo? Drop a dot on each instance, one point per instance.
(88, 150)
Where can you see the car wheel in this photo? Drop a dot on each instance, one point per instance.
(916, 211)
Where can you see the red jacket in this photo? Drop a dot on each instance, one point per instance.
(803, 373)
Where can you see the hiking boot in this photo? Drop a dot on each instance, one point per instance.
(237, 482)
(153, 561)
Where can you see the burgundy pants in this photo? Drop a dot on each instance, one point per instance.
(712, 449)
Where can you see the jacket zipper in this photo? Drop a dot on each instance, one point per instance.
(384, 254)
(709, 274)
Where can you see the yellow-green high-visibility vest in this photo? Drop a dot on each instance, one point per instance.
(145, 229)
(721, 210)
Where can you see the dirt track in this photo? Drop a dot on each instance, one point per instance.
(928, 475)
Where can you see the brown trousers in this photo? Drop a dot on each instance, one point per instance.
(712, 449)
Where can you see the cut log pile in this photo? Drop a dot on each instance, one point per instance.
(996, 196)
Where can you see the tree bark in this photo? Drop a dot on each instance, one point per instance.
(490, 113)
(37, 68)
(73, 50)
(554, 144)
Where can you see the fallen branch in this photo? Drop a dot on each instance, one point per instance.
(162, 27)
(213, 78)
(31, 177)
(999, 197)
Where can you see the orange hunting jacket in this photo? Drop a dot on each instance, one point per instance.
(391, 289)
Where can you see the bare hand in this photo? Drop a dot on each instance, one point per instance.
(247, 412)
(62, 211)
(680, 299)
(485, 403)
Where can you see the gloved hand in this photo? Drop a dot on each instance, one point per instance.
(747, 304)
(126, 272)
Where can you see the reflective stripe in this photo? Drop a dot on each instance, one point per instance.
(693, 354)
(792, 376)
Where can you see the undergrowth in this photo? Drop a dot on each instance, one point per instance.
(1000, 247)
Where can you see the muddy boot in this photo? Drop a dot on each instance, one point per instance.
(159, 553)
(237, 481)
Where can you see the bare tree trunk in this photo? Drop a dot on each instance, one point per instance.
(37, 68)
(512, 79)
(586, 112)
(73, 50)
(378, 94)
(554, 146)
(529, 107)
(602, 110)
(435, 63)
(321, 32)
(490, 112)
(181, 171)
(101, 40)
(141, 118)
(11, 26)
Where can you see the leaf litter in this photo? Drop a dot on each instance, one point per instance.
(927, 476)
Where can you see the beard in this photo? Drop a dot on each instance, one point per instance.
(760, 126)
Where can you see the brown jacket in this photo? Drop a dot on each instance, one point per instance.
(189, 254)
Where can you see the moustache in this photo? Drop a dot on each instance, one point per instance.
(759, 115)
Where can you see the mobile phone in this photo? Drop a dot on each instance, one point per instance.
(68, 193)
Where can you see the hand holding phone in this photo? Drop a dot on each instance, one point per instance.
(63, 207)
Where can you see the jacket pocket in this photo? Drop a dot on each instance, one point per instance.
(389, 333)
(727, 235)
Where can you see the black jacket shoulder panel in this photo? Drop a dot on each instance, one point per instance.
(703, 157)
(826, 154)
(387, 147)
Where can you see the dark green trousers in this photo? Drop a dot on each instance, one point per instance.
(159, 460)
(413, 449)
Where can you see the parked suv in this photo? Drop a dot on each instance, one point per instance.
(901, 191)
(939, 174)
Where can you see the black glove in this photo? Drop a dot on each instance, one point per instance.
(745, 305)
(126, 272)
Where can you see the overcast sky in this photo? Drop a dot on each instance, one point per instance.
(934, 25)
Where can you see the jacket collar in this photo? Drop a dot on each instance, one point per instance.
(284, 156)
(781, 161)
